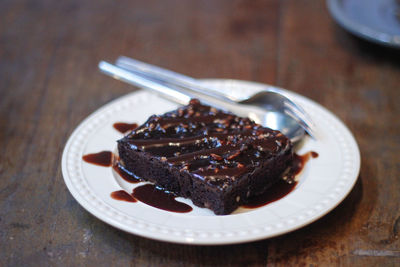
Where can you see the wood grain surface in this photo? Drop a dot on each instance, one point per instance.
(49, 82)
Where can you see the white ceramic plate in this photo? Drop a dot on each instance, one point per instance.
(323, 184)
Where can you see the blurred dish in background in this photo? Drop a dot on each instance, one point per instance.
(374, 20)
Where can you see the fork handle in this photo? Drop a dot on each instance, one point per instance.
(174, 93)
(126, 76)
(170, 77)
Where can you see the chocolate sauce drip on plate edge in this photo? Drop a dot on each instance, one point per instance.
(159, 198)
(123, 196)
(102, 158)
(125, 174)
(124, 127)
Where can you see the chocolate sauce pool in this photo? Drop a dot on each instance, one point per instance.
(282, 187)
(159, 198)
(153, 196)
(279, 190)
(300, 161)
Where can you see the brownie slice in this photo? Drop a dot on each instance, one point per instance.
(215, 158)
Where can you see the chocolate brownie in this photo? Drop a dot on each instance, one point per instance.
(213, 157)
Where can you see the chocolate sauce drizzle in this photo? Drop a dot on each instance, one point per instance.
(300, 160)
(125, 174)
(103, 158)
(153, 196)
(124, 127)
(123, 196)
(159, 198)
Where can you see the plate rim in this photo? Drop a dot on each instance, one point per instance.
(361, 30)
(190, 239)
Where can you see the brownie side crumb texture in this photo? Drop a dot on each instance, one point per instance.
(215, 158)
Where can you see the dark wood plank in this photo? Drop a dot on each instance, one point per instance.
(357, 81)
(60, 85)
(49, 82)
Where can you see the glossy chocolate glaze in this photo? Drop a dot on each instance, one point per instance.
(216, 146)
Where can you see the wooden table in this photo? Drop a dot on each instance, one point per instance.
(49, 82)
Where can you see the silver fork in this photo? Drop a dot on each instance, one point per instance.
(181, 88)
(271, 98)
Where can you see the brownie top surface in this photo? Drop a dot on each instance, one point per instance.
(216, 146)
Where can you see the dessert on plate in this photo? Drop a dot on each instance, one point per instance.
(213, 157)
